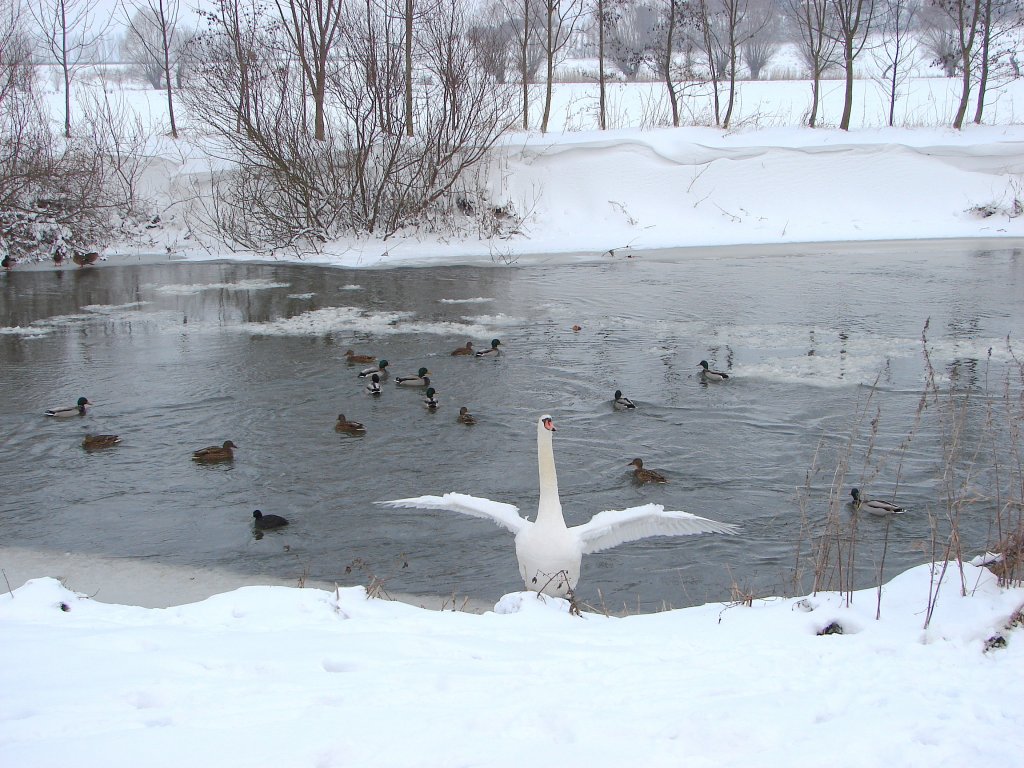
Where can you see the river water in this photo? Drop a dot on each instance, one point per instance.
(178, 356)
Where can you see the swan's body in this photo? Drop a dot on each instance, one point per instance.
(421, 379)
(549, 552)
(381, 369)
(621, 402)
(373, 387)
(874, 506)
(92, 442)
(465, 417)
(78, 409)
(493, 351)
(351, 427)
(215, 454)
(429, 401)
(466, 350)
(709, 374)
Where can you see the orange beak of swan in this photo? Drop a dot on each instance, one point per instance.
(549, 425)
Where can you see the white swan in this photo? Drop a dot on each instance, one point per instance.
(549, 552)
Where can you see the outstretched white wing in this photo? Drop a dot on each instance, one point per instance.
(609, 529)
(505, 515)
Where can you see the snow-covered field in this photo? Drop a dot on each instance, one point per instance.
(584, 192)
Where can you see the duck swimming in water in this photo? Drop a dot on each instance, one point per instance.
(621, 402)
(64, 411)
(215, 454)
(421, 379)
(493, 351)
(429, 401)
(642, 475)
(93, 442)
(265, 522)
(465, 417)
(373, 386)
(874, 506)
(466, 350)
(709, 374)
(351, 427)
(380, 369)
(549, 552)
(351, 357)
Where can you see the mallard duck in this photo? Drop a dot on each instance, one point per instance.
(92, 442)
(642, 475)
(215, 453)
(708, 374)
(466, 350)
(381, 369)
(421, 379)
(621, 402)
(266, 522)
(492, 352)
(373, 387)
(344, 425)
(7, 262)
(351, 357)
(465, 417)
(429, 401)
(549, 552)
(577, 328)
(874, 506)
(78, 409)
(85, 259)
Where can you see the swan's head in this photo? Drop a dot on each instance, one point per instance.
(545, 422)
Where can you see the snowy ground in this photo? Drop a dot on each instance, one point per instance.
(276, 676)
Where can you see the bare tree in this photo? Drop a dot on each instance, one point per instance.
(897, 48)
(810, 25)
(965, 17)
(634, 35)
(938, 37)
(525, 19)
(853, 26)
(312, 28)
(495, 45)
(152, 29)
(1001, 24)
(560, 20)
(760, 43)
(69, 29)
(367, 175)
(673, 20)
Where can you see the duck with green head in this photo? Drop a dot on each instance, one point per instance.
(709, 374)
(381, 369)
(421, 379)
(78, 409)
(493, 351)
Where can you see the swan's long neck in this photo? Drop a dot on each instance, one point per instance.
(549, 508)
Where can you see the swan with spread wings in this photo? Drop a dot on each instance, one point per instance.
(550, 552)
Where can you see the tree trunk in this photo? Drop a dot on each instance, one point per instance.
(601, 122)
(549, 65)
(844, 123)
(673, 100)
(524, 64)
(408, 68)
(986, 44)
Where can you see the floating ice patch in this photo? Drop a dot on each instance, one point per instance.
(28, 333)
(301, 295)
(241, 285)
(477, 300)
(351, 287)
(320, 322)
(493, 320)
(108, 309)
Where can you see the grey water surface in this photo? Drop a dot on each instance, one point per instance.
(178, 356)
